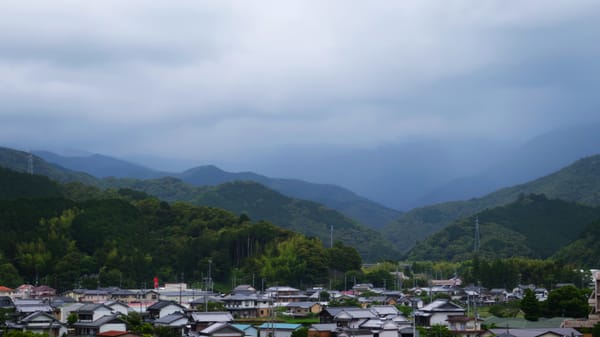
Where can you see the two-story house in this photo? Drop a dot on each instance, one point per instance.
(438, 312)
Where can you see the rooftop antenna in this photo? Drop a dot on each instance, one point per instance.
(30, 163)
(477, 235)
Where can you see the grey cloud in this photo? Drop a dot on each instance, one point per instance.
(250, 77)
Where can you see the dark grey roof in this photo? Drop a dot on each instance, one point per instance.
(170, 318)
(304, 305)
(91, 307)
(162, 304)
(100, 321)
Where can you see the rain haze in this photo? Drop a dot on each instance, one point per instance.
(391, 99)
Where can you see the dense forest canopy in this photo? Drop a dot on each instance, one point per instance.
(126, 238)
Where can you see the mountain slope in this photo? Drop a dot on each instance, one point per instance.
(262, 203)
(533, 226)
(257, 201)
(578, 182)
(585, 250)
(100, 166)
(19, 160)
(361, 209)
(22, 185)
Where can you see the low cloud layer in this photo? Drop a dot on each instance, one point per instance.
(215, 80)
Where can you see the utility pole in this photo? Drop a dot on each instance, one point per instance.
(477, 235)
(209, 274)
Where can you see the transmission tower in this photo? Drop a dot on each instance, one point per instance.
(30, 163)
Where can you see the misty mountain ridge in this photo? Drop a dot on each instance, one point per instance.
(538, 157)
(578, 182)
(339, 198)
(533, 226)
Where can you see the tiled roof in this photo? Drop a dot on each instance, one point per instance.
(215, 316)
(170, 318)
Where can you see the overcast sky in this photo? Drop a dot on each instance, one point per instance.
(211, 81)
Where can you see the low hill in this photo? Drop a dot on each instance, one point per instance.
(354, 206)
(261, 203)
(578, 182)
(533, 226)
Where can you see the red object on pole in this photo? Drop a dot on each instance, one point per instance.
(155, 282)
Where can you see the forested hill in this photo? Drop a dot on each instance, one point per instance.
(126, 238)
(533, 226)
(585, 250)
(257, 201)
(261, 203)
(578, 182)
(347, 202)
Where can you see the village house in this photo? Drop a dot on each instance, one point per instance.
(464, 326)
(27, 307)
(277, 329)
(437, 312)
(176, 321)
(221, 330)
(322, 330)
(249, 330)
(201, 320)
(88, 295)
(40, 323)
(6, 291)
(101, 325)
(303, 309)
(554, 332)
(282, 295)
(91, 312)
(163, 308)
(118, 306)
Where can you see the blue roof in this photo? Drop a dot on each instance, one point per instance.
(282, 326)
(242, 326)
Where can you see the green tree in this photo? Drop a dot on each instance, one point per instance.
(567, 301)
(300, 332)
(344, 258)
(596, 330)
(530, 306)
(72, 318)
(436, 330)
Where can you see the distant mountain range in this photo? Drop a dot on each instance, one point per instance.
(538, 157)
(354, 206)
(513, 219)
(578, 182)
(253, 199)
